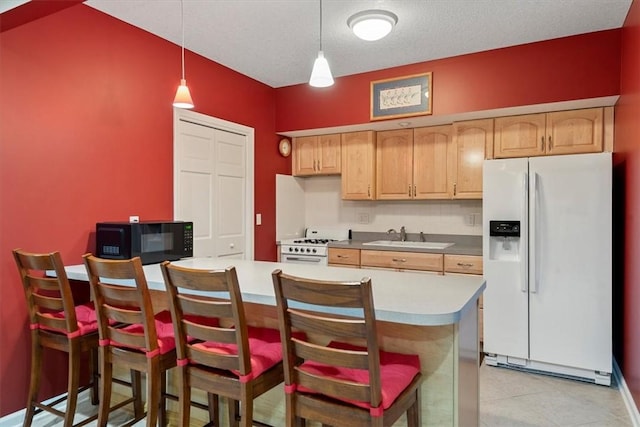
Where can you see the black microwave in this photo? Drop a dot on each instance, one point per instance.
(152, 241)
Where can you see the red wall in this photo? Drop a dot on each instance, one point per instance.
(584, 66)
(627, 180)
(86, 128)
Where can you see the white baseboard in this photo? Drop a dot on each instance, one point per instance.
(626, 395)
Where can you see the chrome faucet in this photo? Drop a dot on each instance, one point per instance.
(392, 230)
(403, 234)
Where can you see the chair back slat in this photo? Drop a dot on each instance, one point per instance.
(227, 362)
(136, 340)
(209, 333)
(48, 303)
(211, 307)
(344, 389)
(313, 322)
(125, 304)
(320, 320)
(123, 315)
(331, 356)
(181, 284)
(46, 294)
(323, 293)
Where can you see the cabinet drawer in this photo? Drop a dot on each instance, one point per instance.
(401, 260)
(344, 256)
(469, 264)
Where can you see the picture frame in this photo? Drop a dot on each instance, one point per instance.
(401, 97)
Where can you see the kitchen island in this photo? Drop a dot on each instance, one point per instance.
(433, 316)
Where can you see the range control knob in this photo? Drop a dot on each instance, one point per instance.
(314, 250)
(290, 249)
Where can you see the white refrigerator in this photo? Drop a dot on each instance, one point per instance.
(547, 263)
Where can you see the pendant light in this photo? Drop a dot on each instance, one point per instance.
(321, 74)
(183, 97)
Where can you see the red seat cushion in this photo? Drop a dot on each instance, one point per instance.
(85, 317)
(396, 373)
(264, 345)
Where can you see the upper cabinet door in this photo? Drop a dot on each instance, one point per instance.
(575, 131)
(358, 165)
(431, 172)
(472, 141)
(394, 164)
(304, 155)
(316, 155)
(328, 154)
(519, 136)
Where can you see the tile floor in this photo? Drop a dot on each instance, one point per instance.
(508, 398)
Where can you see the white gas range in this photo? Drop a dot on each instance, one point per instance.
(313, 247)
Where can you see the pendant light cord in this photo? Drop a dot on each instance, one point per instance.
(320, 24)
(182, 20)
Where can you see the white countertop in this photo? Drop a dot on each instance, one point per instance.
(400, 297)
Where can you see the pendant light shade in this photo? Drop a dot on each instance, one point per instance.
(321, 73)
(372, 25)
(183, 96)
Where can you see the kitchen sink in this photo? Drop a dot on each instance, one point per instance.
(415, 245)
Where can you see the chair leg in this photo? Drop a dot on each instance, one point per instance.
(153, 391)
(184, 399)
(214, 409)
(95, 376)
(106, 370)
(414, 413)
(73, 382)
(136, 390)
(234, 412)
(34, 382)
(162, 413)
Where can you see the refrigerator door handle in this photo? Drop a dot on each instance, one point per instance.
(523, 232)
(533, 286)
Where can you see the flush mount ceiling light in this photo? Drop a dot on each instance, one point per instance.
(372, 25)
(183, 96)
(321, 73)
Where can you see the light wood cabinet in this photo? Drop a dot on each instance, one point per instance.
(413, 164)
(466, 264)
(394, 165)
(561, 132)
(358, 165)
(402, 260)
(472, 143)
(316, 155)
(344, 257)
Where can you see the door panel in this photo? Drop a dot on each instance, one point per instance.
(570, 310)
(506, 320)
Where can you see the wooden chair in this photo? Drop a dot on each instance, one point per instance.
(56, 323)
(131, 336)
(349, 381)
(227, 358)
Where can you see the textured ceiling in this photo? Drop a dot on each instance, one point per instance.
(276, 41)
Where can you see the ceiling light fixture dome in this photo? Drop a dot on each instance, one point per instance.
(372, 24)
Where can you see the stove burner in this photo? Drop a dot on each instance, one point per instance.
(313, 241)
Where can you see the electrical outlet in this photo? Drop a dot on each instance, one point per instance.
(363, 218)
(134, 218)
(258, 219)
(469, 219)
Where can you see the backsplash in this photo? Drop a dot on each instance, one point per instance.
(324, 207)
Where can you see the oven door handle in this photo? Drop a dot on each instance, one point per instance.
(303, 259)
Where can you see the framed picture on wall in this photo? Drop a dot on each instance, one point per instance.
(401, 97)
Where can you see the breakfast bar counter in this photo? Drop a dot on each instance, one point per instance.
(434, 316)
